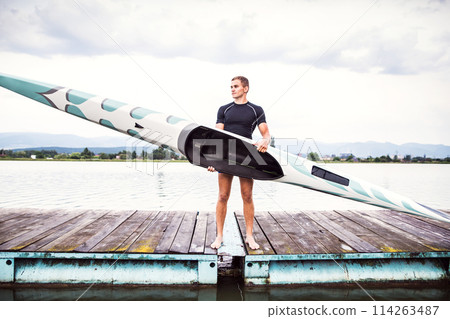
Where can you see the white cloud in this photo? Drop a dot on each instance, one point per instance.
(393, 37)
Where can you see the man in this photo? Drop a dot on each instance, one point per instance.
(239, 117)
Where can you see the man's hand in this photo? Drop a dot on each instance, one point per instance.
(262, 145)
(211, 169)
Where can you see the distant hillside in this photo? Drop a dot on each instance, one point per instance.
(32, 140)
(70, 150)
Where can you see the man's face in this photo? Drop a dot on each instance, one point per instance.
(237, 90)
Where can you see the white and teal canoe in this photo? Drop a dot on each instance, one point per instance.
(205, 146)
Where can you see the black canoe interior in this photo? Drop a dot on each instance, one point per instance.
(208, 147)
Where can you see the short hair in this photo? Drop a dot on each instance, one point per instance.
(243, 80)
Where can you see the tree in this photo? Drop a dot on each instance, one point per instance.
(61, 156)
(87, 153)
(103, 156)
(159, 153)
(75, 155)
(313, 156)
(39, 154)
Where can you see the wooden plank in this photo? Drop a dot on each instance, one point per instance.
(169, 234)
(19, 220)
(436, 230)
(68, 241)
(110, 223)
(430, 238)
(57, 232)
(299, 235)
(199, 237)
(211, 232)
(439, 223)
(117, 238)
(340, 232)
(149, 218)
(10, 213)
(278, 238)
(32, 236)
(330, 242)
(77, 239)
(183, 239)
(14, 228)
(265, 247)
(412, 237)
(149, 239)
(386, 239)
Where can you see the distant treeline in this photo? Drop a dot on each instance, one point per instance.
(160, 153)
(313, 156)
(164, 153)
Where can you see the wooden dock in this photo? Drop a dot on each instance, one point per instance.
(136, 247)
(344, 246)
(160, 247)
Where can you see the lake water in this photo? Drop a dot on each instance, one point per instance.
(181, 186)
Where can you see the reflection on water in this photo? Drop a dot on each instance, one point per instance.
(228, 289)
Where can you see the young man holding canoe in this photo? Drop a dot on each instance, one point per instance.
(240, 117)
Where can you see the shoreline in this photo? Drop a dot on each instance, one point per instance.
(186, 161)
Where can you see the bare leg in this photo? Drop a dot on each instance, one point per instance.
(249, 210)
(225, 181)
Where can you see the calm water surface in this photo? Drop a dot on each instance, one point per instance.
(174, 186)
(181, 186)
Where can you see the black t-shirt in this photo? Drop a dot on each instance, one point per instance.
(241, 119)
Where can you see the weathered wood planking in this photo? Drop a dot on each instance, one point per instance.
(199, 237)
(424, 237)
(40, 232)
(411, 238)
(106, 231)
(75, 236)
(298, 233)
(281, 242)
(169, 234)
(321, 235)
(440, 223)
(183, 238)
(211, 233)
(343, 234)
(55, 233)
(103, 229)
(383, 237)
(424, 224)
(149, 219)
(10, 213)
(265, 248)
(318, 232)
(22, 224)
(125, 233)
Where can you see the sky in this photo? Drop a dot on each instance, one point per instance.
(333, 71)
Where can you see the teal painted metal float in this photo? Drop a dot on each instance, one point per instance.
(102, 268)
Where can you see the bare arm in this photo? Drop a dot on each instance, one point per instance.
(263, 143)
